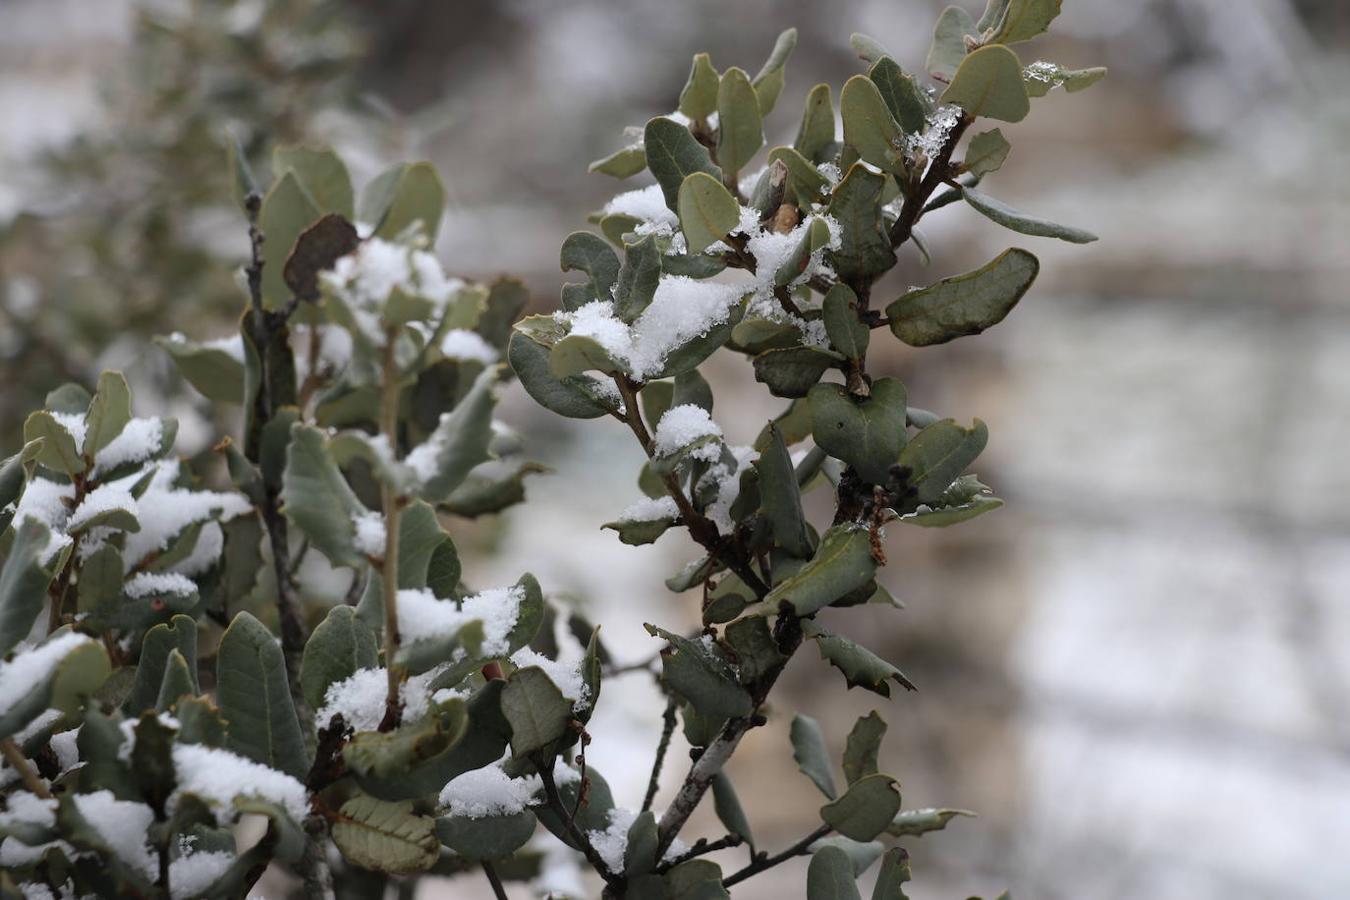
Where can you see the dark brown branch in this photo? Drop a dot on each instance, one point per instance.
(498, 889)
(667, 729)
(763, 861)
(938, 172)
(702, 847)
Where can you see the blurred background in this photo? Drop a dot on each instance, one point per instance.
(1138, 673)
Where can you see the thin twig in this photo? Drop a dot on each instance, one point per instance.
(667, 729)
(19, 763)
(498, 890)
(763, 861)
(570, 826)
(392, 505)
(702, 847)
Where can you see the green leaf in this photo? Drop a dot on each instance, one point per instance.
(1016, 220)
(867, 433)
(793, 371)
(1043, 77)
(904, 98)
(757, 654)
(986, 153)
(769, 82)
(794, 265)
(696, 879)
(728, 808)
(322, 174)
(701, 675)
(179, 681)
(252, 691)
(402, 195)
(486, 837)
(638, 277)
(635, 533)
(565, 396)
(460, 441)
(15, 472)
(865, 249)
(939, 453)
(385, 837)
(846, 332)
(698, 100)
(740, 125)
(916, 822)
(949, 42)
(815, 135)
(23, 583)
(781, 497)
(869, 50)
(78, 675)
(965, 499)
(804, 179)
(860, 666)
(1024, 20)
(109, 413)
(707, 211)
(989, 83)
(842, 564)
(421, 539)
(866, 809)
(864, 742)
(830, 876)
(622, 163)
(862, 854)
(576, 354)
(639, 855)
(341, 646)
(287, 210)
(178, 635)
(963, 304)
(215, 373)
(316, 497)
(585, 252)
(673, 154)
(808, 749)
(894, 873)
(411, 761)
(58, 450)
(994, 11)
(538, 712)
(869, 126)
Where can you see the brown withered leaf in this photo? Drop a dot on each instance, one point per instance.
(316, 249)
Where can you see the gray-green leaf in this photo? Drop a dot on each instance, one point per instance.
(1023, 223)
(989, 83)
(866, 809)
(252, 691)
(963, 304)
(808, 749)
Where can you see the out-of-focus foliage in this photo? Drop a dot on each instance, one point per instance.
(130, 223)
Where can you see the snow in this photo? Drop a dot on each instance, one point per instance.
(462, 344)
(365, 278)
(370, 536)
(74, 424)
(489, 791)
(565, 676)
(205, 553)
(64, 746)
(596, 320)
(140, 439)
(164, 512)
(48, 718)
(683, 425)
(195, 873)
(24, 808)
(728, 482)
(152, 584)
(682, 309)
(612, 843)
(421, 616)
(362, 697)
(21, 675)
(830, 172)
(647, 204)
(100, 500)
(334, 350)
(44, 500)
(931, 140)
(122, 824)
(221, 776)
(651, 510)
